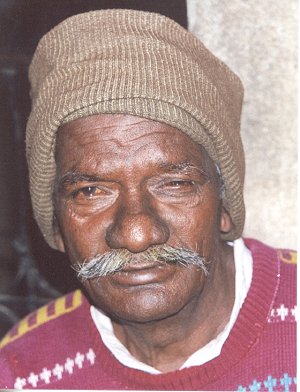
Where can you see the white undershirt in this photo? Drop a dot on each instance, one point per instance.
(243, 276)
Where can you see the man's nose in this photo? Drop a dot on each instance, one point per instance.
(136, 229)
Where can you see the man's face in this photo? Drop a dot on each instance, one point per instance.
(125, 182)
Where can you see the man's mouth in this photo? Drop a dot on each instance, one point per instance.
(142, 273)
(156, 258)
(137, 265)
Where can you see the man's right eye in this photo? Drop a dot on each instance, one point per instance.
(88, 192)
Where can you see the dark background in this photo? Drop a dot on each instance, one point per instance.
(31, 273)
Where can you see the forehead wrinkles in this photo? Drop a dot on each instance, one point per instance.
(114, 135)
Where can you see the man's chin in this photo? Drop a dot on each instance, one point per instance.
(146, 294)
(140, 303)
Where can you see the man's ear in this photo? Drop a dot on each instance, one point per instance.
(225, 221)
(57, 236)
(59, 242)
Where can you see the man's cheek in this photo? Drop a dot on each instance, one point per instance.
(83, 239)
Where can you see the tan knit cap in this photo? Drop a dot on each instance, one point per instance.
(139, 63)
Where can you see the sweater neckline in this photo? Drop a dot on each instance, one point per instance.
(251, 321)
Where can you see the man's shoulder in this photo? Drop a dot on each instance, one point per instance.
(284, 308)
(42, 320)
(49, 345)
(277, 265)
(285, 256)
(280, 262)
(288, 268)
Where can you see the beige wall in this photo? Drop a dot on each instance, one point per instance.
(258, 40)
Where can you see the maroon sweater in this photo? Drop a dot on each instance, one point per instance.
(59, 347)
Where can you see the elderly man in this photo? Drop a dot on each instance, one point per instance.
(136, 172)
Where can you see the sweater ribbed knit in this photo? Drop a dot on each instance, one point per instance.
(59, 347)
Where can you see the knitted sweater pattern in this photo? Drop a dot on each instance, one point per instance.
(59, 347)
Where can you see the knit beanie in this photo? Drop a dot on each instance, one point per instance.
(138, 63)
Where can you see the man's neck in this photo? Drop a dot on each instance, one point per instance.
(166, 344)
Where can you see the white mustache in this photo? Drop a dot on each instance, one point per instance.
(115, 260)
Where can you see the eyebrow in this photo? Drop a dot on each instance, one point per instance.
(72, 177)
(181, 167)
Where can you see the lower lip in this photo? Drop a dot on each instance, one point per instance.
(144, 276)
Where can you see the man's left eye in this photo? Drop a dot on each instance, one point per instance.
(176, 184)
(178, 188)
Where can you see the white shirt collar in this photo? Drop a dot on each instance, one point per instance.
(243, 276)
